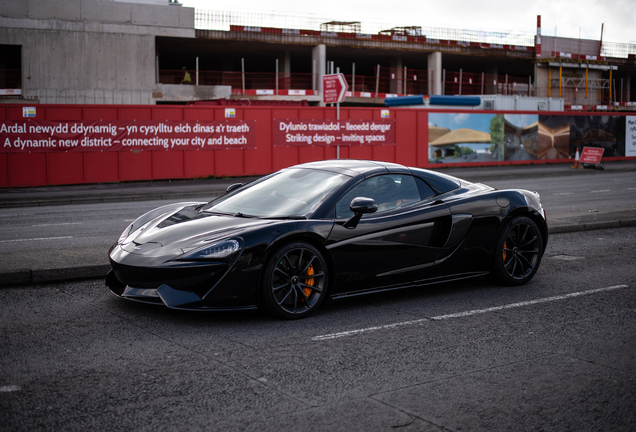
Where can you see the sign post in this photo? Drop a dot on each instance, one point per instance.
(334, 88)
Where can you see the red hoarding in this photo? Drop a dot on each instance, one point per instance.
(50, 136)
(311, 133)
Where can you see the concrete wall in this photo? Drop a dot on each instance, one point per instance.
(90, 52)
(569, 45)
(100, 11)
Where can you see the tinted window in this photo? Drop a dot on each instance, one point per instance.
(441, 183)
(424, 189)
(389, 192)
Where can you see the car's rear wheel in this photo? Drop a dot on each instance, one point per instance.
(518, 252)
(294, 283)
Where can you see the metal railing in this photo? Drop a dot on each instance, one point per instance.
(291, 24)
(240, 80)
(222, 20)
(10, 78)
(463, 83)
(618, 50)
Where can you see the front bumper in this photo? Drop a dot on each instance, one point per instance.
(166, 296)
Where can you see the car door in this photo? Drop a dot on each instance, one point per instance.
(394, 245)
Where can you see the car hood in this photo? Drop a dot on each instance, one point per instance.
(185, 230)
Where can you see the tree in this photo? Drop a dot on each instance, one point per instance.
(497, 136)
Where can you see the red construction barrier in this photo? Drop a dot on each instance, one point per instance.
(71, 144)
(75, 144)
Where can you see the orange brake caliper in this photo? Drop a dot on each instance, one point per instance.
(504, 251)
(310, 282)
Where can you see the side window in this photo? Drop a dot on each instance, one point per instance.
(425, 190)
(389, 192)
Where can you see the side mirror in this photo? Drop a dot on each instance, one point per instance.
(360, 206)
(363, 205)
(231, 187)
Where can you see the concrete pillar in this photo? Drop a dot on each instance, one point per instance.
(623, 86)
(435, 73)
(396, 84)
(284, 62)
(491, 85)
(541, 80)
(319, 66)
(284, 70)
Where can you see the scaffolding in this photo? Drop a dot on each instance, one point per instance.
(223, 20)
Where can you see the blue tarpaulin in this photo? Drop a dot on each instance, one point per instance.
(454, 100)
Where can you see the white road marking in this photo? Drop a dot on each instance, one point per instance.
(563, 193)
(35, 239)
(602, 190)
(466, 313)
(59, 224)
(566, 257)
(9, 388)
(129, 220)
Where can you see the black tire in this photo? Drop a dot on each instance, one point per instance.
(294, 282)
(518, 252)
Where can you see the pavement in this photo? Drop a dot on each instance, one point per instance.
(30, 273)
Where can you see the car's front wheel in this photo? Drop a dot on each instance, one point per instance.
(518, 252)
(294, 282)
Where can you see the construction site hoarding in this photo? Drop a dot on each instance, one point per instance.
(50, 136)
(76, 144)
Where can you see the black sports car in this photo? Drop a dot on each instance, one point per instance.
(329, 229)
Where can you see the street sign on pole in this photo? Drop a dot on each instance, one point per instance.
(334, 87)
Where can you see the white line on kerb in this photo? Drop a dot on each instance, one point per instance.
(31, 239)
(59, 224)
(466, 313)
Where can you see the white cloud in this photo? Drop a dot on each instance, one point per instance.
(460, 118)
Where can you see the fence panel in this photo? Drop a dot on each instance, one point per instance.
(47, 166)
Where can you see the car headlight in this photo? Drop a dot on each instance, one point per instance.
(217, 250)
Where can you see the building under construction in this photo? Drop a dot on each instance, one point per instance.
(158, 52)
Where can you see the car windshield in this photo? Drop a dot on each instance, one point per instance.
(288, 193)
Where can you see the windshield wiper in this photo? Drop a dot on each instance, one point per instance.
(291, 217)
(219, 213)
(243, 215)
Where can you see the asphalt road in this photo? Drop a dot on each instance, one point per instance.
(39, 239)
(555, 354)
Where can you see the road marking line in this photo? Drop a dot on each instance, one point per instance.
(353, 332)
(602, 190)
(563, 193)
(9, 388)
(58, 224)
(527, 303)
(31, 239)
(466, 313)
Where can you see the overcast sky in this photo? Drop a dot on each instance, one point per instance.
(570, 18)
